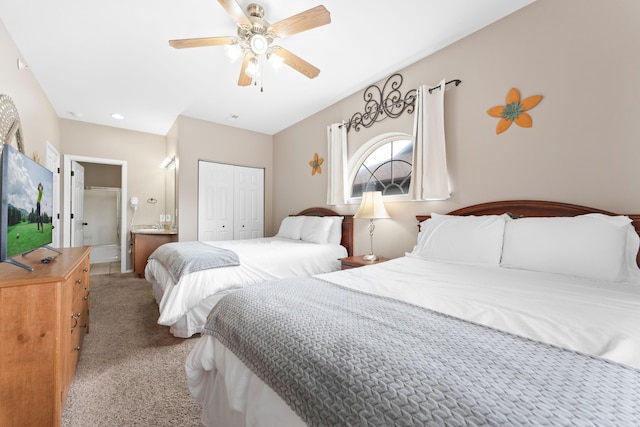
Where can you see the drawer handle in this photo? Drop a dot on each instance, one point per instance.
(86, 270)
(77, 349)
(75, 317)
(78, 281)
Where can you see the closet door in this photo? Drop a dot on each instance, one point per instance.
(215, 201)
(248, 211)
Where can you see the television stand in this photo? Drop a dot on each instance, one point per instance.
(25, 266)
(19, 264)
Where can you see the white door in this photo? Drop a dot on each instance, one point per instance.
(215, 201)
(248, 211)
(77, 204)
(53, 164)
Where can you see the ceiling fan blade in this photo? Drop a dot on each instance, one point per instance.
(312, 18)
(297, 63)
(235, 11)
(203, 41)
(244, 79)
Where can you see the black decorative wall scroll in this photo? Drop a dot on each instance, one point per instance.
(386, 102)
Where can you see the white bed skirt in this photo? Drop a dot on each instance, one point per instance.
(191, 322)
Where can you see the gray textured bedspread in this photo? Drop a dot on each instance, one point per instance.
(340, 357)
(182, 258)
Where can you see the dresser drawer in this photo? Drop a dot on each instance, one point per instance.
(76, 319)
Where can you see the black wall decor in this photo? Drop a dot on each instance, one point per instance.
(386, 102)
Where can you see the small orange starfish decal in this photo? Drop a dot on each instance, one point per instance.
(514, 111)
(315, 164)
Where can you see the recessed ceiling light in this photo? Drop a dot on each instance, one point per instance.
(76, 114)
(117, 116)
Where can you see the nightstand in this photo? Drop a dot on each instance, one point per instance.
(357, 261)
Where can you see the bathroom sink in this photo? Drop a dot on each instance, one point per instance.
(151, 230)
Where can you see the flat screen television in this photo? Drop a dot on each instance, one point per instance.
(27, 206)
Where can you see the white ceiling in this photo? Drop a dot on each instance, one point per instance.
(99, 58)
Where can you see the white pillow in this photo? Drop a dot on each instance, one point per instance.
(469, 239)
(594, 246)
(424, 230)
(335, 233)
(316, 229)
(290, 227)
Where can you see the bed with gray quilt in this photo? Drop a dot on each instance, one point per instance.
(188, 278)
(497, 332)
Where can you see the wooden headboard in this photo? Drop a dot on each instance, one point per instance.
(534, 208)
(347, 225)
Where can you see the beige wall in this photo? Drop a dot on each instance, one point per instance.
(201, 140)
(583, 148)
(39, 120)
(143, 153)
(101, 175)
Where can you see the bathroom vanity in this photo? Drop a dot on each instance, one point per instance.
(145, 241)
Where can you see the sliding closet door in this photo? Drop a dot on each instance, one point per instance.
(215, 201)
(248, 211)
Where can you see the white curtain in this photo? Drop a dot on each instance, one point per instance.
(430, 178)
(337, 164)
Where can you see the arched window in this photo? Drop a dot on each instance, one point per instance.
(382, 164)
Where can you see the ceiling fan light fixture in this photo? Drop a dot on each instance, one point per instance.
(275, 61)
(252, 67)
(259, 44)
(234, 51)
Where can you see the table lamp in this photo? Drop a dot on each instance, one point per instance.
(371, 208)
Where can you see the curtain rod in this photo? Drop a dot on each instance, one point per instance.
(390, 102)
(454, 81)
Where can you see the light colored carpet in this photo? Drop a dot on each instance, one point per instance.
(131, 370)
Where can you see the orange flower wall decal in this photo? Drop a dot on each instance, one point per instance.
(514, 111)
(315, 164)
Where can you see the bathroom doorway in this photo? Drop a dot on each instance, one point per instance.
(102, 222)
(99, 207)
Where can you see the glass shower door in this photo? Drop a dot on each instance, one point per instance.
(102, 223)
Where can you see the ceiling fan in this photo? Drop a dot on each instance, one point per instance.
(256, 39)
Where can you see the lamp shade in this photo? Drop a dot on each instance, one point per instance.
(371, 206)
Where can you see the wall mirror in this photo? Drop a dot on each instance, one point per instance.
(171, 176)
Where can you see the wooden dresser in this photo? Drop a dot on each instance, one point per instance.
(44, 316)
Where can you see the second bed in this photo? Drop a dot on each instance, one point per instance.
(311, 242)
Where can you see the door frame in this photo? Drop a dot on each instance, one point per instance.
(52, 152)
(68, 158)
(76, 198)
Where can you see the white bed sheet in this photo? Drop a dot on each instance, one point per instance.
(185, 305)
(592, 317)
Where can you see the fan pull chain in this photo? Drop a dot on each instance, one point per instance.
(258, 76)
